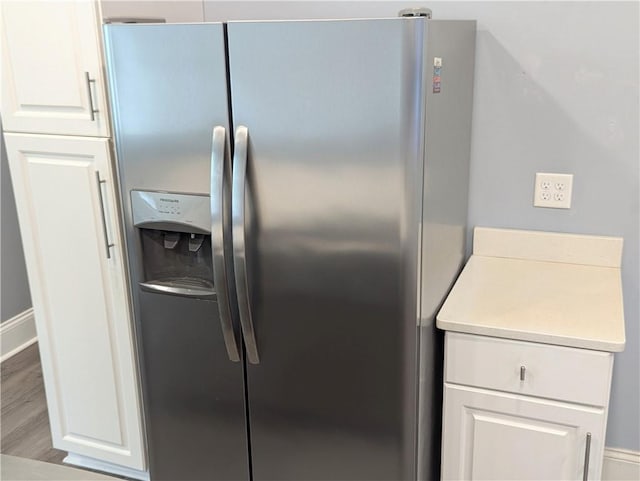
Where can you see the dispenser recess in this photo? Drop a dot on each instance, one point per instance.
(176, 243)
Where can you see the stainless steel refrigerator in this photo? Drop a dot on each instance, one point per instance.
(294, 199)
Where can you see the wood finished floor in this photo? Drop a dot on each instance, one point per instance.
(24, 422)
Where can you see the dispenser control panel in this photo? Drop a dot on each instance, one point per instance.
(169, 205)
(169, 211)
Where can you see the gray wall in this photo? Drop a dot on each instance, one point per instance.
(556, 90)
(14, 289)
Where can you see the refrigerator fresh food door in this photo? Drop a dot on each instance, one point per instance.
(327, 233)
(170, 104)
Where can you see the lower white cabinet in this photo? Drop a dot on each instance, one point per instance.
(491, 435)
(521, 410)
(65, 196)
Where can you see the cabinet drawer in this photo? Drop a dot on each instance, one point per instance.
(554, 372)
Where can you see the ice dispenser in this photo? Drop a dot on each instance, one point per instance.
(175, 242)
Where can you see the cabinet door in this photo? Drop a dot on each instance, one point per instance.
(52, 69)
(491, 435)
(66, 210)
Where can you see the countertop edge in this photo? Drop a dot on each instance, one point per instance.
(520, 335)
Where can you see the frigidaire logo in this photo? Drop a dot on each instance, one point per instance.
(170, 200)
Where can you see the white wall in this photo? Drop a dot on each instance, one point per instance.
(556, 90)
(174, 11)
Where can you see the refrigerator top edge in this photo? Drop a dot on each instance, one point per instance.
(228, 22)
(257, 20)
(111, 26)
(353, 19)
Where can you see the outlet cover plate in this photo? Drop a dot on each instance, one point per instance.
(553, 190)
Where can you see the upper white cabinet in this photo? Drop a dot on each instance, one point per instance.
(52, 76)
(66, 202)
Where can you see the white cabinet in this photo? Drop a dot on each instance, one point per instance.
(66, 203)
(53, 82)
(52, 76)
(497, 436)
(522, 410)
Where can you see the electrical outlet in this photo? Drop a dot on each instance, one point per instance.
(553, 190)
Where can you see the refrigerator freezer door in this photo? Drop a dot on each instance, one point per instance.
(169, 92)
(334, 115)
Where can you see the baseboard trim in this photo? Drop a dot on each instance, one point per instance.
(16, 334)
(105, 467)
(621, 465)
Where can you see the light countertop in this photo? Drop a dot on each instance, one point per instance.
(554, 289)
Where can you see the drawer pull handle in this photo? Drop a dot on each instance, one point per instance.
(587, 451)
(522, 372)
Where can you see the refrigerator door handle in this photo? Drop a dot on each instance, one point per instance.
(217, 241)
(239, 251)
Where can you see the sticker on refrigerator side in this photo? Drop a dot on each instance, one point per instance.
(437, 70)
